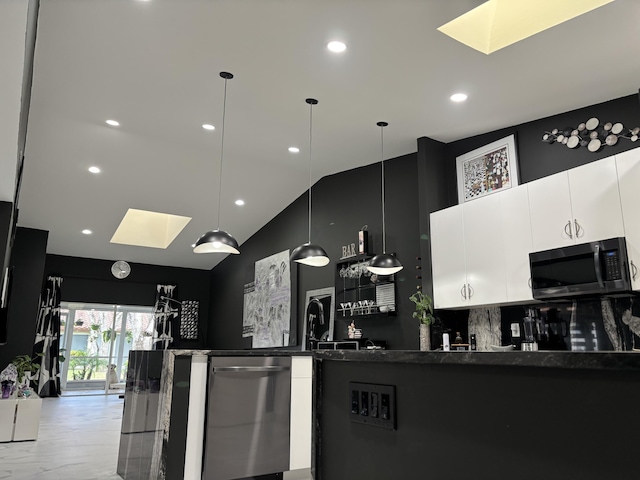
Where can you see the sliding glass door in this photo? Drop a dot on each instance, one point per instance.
(96, 339)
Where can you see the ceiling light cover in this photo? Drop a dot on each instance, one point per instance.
(208, 126)
(113, 123)
(216, 241)
(337, 47)
(310, 254)
(239, 202)
(385, 264)
(458, 97)
(294, 149)
(219, 241)
(86, 231)
(499, 23)
(94, 169)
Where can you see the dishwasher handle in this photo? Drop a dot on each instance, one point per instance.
(251, 369)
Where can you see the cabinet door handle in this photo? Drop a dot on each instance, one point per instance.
(578, 228)
(470, 290)
(634, 270)
(463, 291)
(530, 284)
(568, 225)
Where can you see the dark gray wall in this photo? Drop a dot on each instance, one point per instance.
(433, 195)
(27, 267)
(342, 204)
(90, 280)
(537, 159)
(416, 186)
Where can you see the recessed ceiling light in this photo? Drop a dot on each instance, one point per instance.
(458, 97)
(208, 126)
(239, 202)
(94, 169)
(113, 123)
(87, 231)
(294, 149)
(337, 47)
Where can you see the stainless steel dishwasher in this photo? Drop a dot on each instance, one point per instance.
(248, 417)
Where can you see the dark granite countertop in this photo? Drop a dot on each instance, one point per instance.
(540, 359)
(267, 352)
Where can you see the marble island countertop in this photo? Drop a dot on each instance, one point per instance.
(259, 352)
(540, 359)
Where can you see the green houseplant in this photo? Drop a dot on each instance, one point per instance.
(24, 364)
(424, 313)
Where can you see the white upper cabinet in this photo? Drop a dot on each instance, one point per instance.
(595, 201)
(628, 164)
(577, 206)
(516, 228)
(550, 210)
(447, 258)
(484, 251)
(480, 250)
(467, 254)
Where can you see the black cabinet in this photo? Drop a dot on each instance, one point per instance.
(359, 293)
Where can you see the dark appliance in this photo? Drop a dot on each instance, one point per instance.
(595, 268)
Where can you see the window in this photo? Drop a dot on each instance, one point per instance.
(95, 336)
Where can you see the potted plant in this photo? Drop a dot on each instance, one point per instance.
(27, 366)
(424, 313)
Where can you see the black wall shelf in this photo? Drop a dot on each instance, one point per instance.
(359, 293)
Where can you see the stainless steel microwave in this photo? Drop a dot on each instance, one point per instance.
(595, 268)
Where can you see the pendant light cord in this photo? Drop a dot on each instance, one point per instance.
(384, 234)
(310, 141)
(224, 114)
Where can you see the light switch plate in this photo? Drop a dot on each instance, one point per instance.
(373, 404)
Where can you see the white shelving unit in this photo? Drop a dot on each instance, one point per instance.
(20, 418)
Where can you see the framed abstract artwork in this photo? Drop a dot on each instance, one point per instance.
(318, 317)
(487, 169)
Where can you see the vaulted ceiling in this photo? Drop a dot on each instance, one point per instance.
(154, 67)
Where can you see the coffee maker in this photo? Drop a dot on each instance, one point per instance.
(530, 331)
(525, 333)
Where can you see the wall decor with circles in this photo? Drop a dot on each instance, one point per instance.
(591, 134)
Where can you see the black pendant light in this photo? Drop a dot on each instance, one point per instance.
(219, 241)
(310, 253)
(384, 264)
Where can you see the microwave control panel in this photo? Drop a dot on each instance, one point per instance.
(612, 265)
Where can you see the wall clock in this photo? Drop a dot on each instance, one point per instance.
(121, 269)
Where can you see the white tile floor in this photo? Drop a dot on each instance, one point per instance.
(78, 440)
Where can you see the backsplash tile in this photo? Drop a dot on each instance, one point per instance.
(589, 324)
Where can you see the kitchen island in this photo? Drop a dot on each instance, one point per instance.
(455, 415)
(168, 412)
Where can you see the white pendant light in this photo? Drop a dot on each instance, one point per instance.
(310, 253)
(218, 241)
(385, 263)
